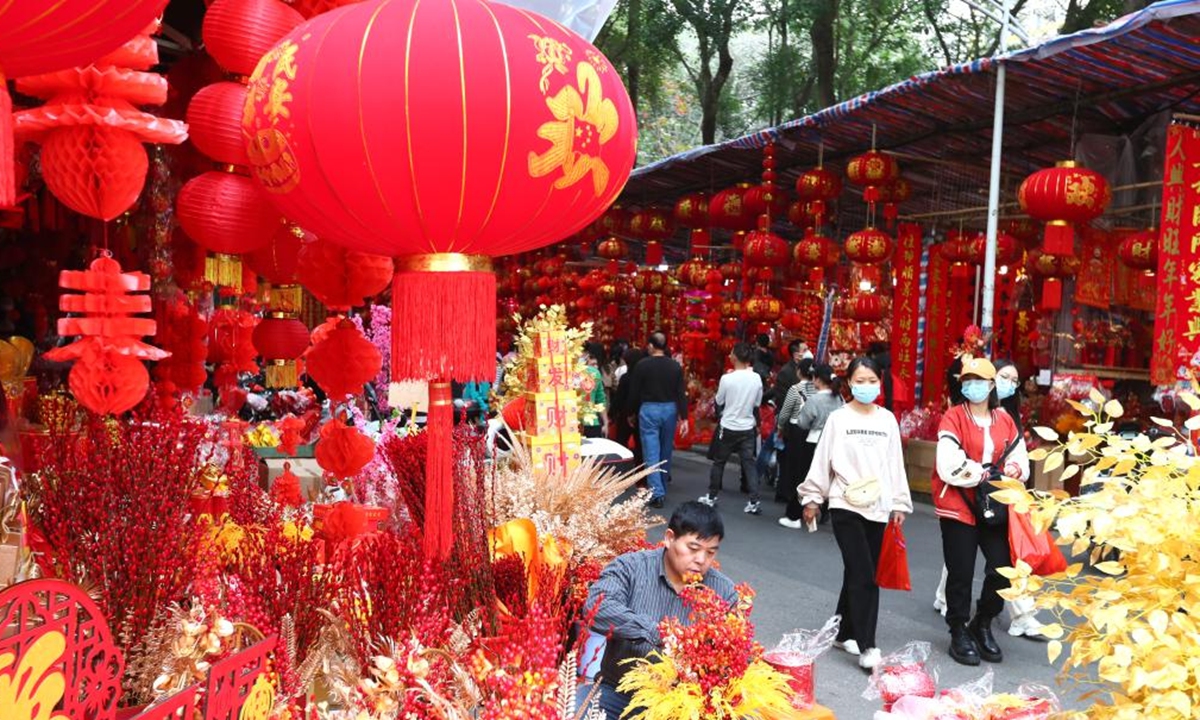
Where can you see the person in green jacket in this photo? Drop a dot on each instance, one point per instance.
(594, 411)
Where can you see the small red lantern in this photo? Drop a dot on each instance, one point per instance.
(817, 188)
(868, 246)
(281, 340)
(765, 249)
(692, 211)
(237, 33)
(1064, 195)
(871, 171)
(614, 221)
(225, 214)
(816, 251)
(653, 223)
(613, 248)
(340, 278)
(278, 261)
(731, 309)
(731, 271)
(765, 200)
(866, 307)
(792, 321)
(763, 308)
(891, 195)
(1139, 249)
(728, 209)
(1008, 250)
(651, 282)
(1053, 268)
(343, 360)
(1025, 230)
(342, 451)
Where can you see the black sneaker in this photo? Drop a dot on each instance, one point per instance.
(656, 503)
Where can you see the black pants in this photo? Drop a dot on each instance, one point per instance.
(725, 444)
(960, 542)
(860, 541)
(592, 431)
(804, 457)
(624, 434)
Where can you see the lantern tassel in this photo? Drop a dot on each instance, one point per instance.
(8, 175)
(1052, 291)
(444, 321)
(224, 271)
(439, 478)
(282, 374)
(1059, 238)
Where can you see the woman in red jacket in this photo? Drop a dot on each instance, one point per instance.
(973, 440)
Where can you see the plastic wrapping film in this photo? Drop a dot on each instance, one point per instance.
(585, 17)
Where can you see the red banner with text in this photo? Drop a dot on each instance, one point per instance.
(906, 305)
(937, 309)
(1177, 315)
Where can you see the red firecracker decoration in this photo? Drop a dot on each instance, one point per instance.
(108, 376)
(340, 278)
(38, 37)
(343, 360)
(342, 451)
(1064, 195)
(519, 143)
(91, 134)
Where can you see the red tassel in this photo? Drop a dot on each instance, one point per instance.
(1059, 238)
(8, 175)
(891, 211)
(444, 326)
(654, 253)
(1052, 290)
(439, 480)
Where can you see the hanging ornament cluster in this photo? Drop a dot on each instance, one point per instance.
(38, 37)
(182, 332)
(108, 376)
(223, 210)
(1064, 196)
(90, 131)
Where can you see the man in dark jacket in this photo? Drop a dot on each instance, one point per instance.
(788, 375)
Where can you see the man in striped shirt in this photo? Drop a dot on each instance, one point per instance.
(638, 589)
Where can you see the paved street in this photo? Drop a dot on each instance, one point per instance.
(798, 576)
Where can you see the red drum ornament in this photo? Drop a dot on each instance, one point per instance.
(343, 361)
(1064, 195)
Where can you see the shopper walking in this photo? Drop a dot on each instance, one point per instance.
(804, 431)
(977, 442)
(739, 394)
(785, 426)
(658, 399)
(859, 469)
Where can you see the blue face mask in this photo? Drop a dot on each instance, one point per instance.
(976, 391)
(865, 394)
(1005, 388)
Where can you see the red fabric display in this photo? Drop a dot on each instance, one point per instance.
(342, 450)
(91, 133)
(1038, 550)
(339, 278)
(892, 573)
(36, 37)
(108, 376)
(343, 360)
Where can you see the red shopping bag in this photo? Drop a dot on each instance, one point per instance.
(892, 573)
(1038, 550)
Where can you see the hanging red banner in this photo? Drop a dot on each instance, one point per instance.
(1093, 283)
(1003, 308)
(905, 307)
(1024, 325)
(1177, 315)
(936, 322)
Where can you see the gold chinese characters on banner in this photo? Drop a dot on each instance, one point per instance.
(1176, 354)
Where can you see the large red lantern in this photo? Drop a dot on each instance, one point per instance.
(445, 134)
(1139, 249)
(871, 171)
(1063, 196)
(40, 37)
(868, 246)
(692, 211)
(764, 248)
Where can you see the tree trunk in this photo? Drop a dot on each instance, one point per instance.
(633, 69)
(824, 51)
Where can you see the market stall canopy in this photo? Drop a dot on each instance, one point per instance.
(1107, 80)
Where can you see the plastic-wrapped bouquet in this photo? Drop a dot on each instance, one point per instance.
(902, 673)
(976, 701)
(921, 423)
(796, 655)
(710, 667)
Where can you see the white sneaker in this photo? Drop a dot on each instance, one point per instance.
(870, 659)
(709, 499)
(793, 524)
(939, 605)
(1026, 625)
(753, 508)
(850, 646)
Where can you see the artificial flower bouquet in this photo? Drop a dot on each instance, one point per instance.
(710, 667)
(921, 423)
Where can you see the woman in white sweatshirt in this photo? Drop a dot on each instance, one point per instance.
(859, 469)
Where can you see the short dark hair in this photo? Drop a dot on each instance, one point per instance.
(658, 341)
(805, 367)
(596, 350)
(696, 518)
(864, 361)
(794, 345)
(764, 340)
(743, 352)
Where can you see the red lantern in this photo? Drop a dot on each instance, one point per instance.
(214, 118)
(792, 321)
(728, 209)
(816, 251)
(816, 188)
(891, 195)
(650, 281)
(1053, 268)
(765, 200)
(342, 451)
(866, 307)
(343, 361)
(871, 171)
(38, 37)
(340, 278)
(764, 248)
(1025, 230)
(237, 33)
(181, 331)
(868, 246)
(653, 223)
(1139, 249)
(763, 308)
(692, 211)
(1008, 250)
(225, 214)
(280, 340)
(731, 309)
(278, 261)
(613, 248)
(614, 221)
(1064, 195)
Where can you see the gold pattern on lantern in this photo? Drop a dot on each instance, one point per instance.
(271, 154)
(1081, 190)
(584, 121)
(553, 55)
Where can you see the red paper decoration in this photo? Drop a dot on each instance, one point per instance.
(36, 37)
(339, 278)
(91, 133)
(1064, 195)
(342, 450)
(214, 118)
(278, 261)
(238, 33)
(182, 331)
(108, 376)
(868, 246)
(343, 360)
(225, 213)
